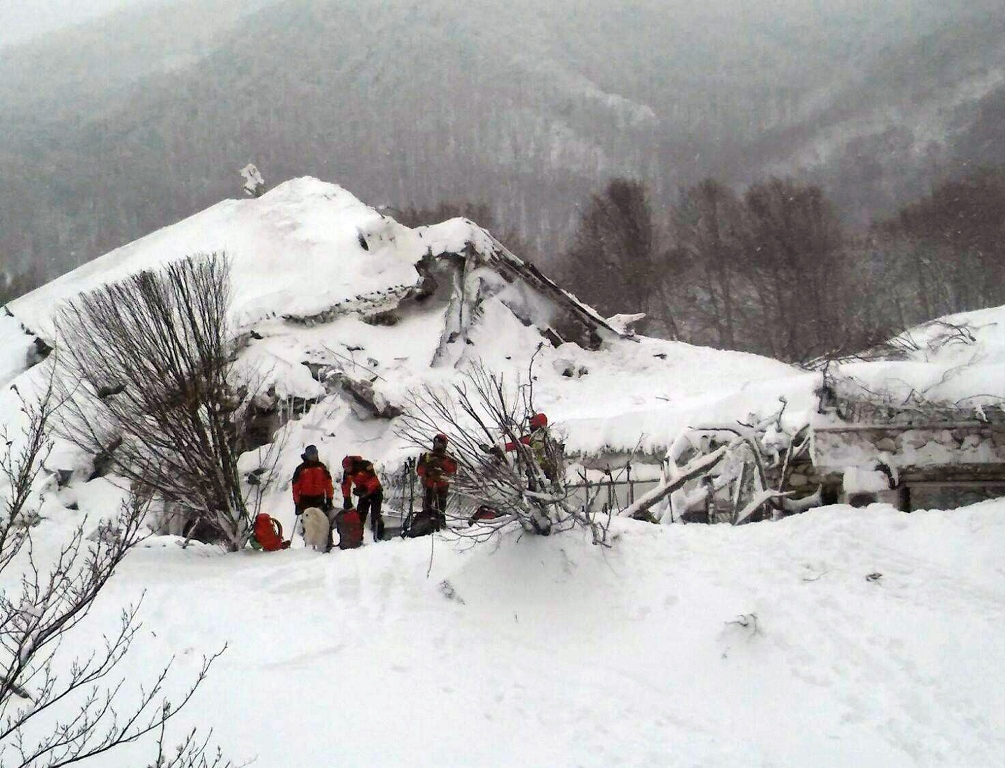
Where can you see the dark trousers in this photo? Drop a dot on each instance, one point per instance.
(434, 501)
(372, 503)
(311, 501)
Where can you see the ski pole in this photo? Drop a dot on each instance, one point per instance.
(409, 469)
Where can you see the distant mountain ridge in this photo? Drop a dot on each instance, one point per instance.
(118, 128)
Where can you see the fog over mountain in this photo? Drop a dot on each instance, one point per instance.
(24, 21)
(114, 128)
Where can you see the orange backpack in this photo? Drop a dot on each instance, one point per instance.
(268, 534)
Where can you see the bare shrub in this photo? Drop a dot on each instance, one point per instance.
(145, 369)
(521, 486)
(55, 710)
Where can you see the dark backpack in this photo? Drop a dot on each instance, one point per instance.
(422, 524)
(349, 528)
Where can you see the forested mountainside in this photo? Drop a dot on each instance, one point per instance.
(118, 127)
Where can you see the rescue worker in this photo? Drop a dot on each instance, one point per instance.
(358, 472)
(537, 440)
(435, 468)
(546, 454)
(312, 483)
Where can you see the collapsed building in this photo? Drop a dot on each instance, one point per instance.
(915, 454)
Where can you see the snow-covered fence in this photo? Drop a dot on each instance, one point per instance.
(609, 494)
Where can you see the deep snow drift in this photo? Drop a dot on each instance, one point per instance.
(679, 645)
(553, 652)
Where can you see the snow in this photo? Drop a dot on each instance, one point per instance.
(14, 349)
(858, 480)
(555, 652)
(955, 360)
(683, 645)
(295, 251)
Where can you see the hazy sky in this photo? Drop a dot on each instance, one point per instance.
(21, 20)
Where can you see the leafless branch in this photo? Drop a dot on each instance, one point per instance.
(483, 416)
(145, 371)
(57, 710)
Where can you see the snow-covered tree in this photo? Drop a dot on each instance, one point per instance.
(723, 472)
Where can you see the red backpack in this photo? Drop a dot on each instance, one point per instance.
(350, 529)
(268, 534)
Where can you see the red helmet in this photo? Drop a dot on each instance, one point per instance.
(538, 420)
(440, 439)
(347, 462)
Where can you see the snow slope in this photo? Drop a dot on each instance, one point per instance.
(553, 652)
(540, 652)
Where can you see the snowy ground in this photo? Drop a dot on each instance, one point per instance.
(553, 652)
(544, 652)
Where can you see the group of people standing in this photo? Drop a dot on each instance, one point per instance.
(314, 487)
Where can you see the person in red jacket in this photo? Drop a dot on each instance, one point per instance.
(435, 468)
(358, 472)
(312, 483)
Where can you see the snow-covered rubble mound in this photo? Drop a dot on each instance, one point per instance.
(957, 360)
(340, 313)
(338, 303)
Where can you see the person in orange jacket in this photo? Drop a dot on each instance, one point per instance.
(312, 483)
(358, 472)
(435, 468)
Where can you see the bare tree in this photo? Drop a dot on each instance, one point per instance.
(949, 245)
(145, 370)
(708, 224)
(617, 262)
(55, 710)
(795, 260)
(525, 485)
(478, 212)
